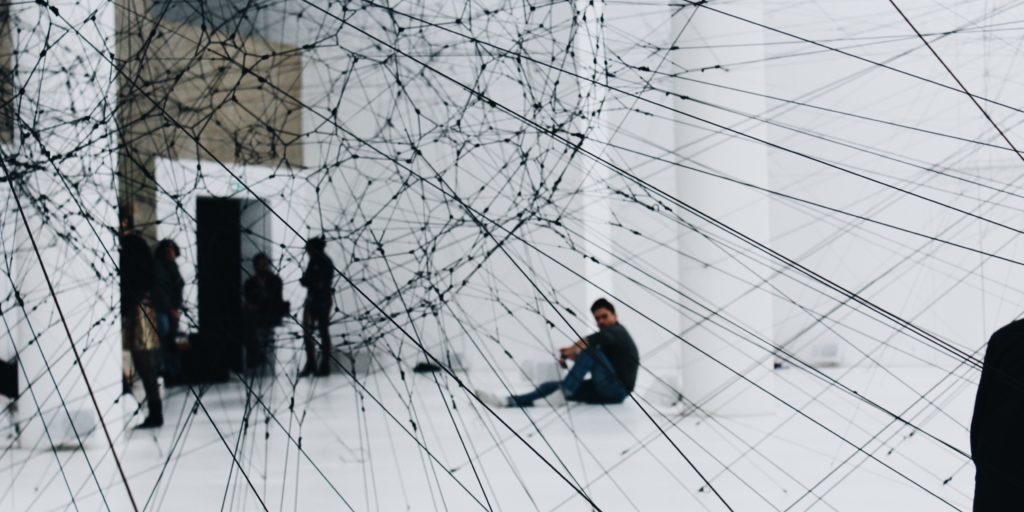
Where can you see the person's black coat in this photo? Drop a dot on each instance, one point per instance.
(136, 268)
(264, 300)
(997, 428)
(167, 286)
(319, 276)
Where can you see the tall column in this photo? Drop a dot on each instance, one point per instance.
(65, 335)
(591, 64)
(725, 274)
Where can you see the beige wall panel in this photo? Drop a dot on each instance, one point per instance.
(211, 97)
(6, 76)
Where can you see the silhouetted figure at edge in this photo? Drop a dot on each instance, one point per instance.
(318, 280)
(608, 356)
(138, 320)
(997, 429)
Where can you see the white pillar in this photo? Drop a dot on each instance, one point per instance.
(589, 48)
(719, 367)
(62, 81)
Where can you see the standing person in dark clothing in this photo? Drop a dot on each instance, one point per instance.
(997, 445)
(609, 356)
(138, 321)
(264, 308)
(319, 282)
(167, 302)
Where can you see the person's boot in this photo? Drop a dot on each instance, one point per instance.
(310, 358)
(325, 358)
(155, 411)
(152, 421)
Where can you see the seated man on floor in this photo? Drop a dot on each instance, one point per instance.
(609, 356)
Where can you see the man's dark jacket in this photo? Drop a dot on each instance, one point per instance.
(136, 267)
(167, 286)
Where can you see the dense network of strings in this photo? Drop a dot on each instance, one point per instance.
(805, 212)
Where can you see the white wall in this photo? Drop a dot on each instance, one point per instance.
(67, 190)
(841, 249)
(958, 295)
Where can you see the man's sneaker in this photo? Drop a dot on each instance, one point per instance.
(492, 400)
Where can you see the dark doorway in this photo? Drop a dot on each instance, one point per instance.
(229, 232)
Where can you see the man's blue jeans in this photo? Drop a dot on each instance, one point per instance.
(603, 386)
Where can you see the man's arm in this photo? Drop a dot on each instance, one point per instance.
(574, 350)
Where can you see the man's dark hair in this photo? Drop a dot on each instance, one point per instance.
(165, 245)
(317, 244)
(602, 304)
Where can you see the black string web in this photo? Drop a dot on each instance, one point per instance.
(807, 215)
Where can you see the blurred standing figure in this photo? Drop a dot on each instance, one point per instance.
(167, 301)
(264, 308)
(997, 446)
(318, 280)
(138, 322)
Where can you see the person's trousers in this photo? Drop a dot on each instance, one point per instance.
(259, 341)
(145, 367)
(603, 386)
(317, 316)
(167, 331)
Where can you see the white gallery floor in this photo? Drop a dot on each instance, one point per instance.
(426, 445)
(741, 178)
